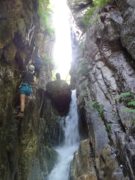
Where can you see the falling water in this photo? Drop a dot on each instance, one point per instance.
(62, 54)
(70, 145)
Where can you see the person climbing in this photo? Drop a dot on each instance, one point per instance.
(25, 88)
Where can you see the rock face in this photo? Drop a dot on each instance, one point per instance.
(25, 146)
(82, 167)
(60, 94)
(104, 76)
(105, 81)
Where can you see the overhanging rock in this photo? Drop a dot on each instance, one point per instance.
(60, 94)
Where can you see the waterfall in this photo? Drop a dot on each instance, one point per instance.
(70, 145)
(62, 53)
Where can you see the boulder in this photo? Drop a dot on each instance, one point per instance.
(60, 94)
(82, 167)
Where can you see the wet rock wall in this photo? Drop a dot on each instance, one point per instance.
(105, 71)
(25, 145)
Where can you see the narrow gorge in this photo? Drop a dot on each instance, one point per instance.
(63, 136)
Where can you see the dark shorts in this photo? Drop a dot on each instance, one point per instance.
(25, 89)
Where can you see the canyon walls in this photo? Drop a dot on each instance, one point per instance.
(104, 63)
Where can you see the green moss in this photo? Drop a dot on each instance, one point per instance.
(27, 149)
(44, 12)
(5, 33)
(97, 106)
(90, 11)
(100, 3)
(8, 143)
(88, 14)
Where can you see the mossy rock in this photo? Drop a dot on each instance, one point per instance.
(5, 34)
(10, 52)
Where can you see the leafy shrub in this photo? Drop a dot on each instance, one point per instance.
(90, 11)
(128, 99)
(88, 14)
(131, 103)
(98, 107)
(126, 96)
(44, 12)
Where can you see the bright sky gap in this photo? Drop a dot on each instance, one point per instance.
(62, 53)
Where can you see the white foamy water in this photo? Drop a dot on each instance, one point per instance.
(70, 145)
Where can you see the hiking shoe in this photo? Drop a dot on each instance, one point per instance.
(20, 115)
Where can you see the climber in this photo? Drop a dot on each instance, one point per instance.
(25, 88)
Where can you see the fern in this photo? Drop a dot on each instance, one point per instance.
(125, 94)
(131, 103)
(126, 97)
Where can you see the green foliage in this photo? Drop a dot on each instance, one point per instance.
(90, 11)
(125, 96)
(131, 103)
(129, 100)
(108, 127)
(98, 107)
(88, 14)
(100, 3)
(44, 12)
